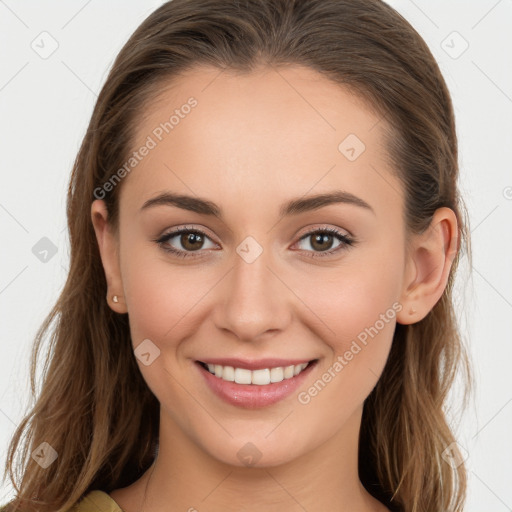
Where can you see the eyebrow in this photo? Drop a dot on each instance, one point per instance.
(293, 207)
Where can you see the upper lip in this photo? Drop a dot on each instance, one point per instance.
(255, 364)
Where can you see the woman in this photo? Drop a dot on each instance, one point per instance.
(265, 226)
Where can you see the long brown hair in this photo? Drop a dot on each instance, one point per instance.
(94, 408)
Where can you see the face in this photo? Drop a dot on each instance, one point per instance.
(318, 281)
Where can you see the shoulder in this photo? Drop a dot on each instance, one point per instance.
(91, 502)
(94, 501)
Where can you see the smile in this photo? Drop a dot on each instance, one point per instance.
(257, 377)
(265, 384)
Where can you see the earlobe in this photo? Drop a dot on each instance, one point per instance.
(108, 248)
(430, 258)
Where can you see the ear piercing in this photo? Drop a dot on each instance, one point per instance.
(412, 311)
(115, 299)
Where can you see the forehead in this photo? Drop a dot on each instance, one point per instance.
(275, 130)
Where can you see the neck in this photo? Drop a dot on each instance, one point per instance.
(185, 477)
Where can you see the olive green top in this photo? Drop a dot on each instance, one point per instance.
(96, 501)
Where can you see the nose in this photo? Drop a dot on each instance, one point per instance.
(254, 301)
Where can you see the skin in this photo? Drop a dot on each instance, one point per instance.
(253, 142)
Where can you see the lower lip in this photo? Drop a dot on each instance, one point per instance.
(252, 396)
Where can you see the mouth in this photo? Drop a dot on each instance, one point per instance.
(262, 376)
(254, 388)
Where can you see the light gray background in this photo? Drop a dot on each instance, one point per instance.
(45, 105)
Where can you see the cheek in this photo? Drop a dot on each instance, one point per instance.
(160, 295)
(165, 300)
(164, 304)
(358, 306)
(361, 318)
(355, 297)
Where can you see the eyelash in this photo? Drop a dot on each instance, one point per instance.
(346, 242)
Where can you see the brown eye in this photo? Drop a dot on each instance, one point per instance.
(192, 241)
(321, 242)
(187, 240)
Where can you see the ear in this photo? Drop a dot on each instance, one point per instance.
(428, 265)
(108, 244)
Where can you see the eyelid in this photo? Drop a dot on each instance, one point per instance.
(323, 227)
(186, 228)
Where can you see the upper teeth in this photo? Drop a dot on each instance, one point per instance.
(258, 377)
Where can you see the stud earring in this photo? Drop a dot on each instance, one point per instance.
(115, 299)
